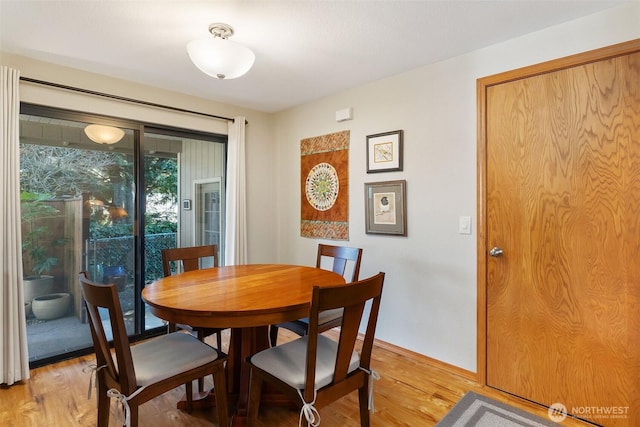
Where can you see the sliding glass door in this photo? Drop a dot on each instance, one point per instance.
(82, 204)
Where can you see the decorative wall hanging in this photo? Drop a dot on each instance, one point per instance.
(386, 207)
(324, 186)
(384, 152)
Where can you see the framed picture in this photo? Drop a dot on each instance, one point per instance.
(386, 207)
(384, 152)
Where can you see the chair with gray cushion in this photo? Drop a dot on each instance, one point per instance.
(136, 374)
(188, 259)
(340, 257)
(315, 370)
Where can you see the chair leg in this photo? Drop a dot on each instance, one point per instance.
(363, 395)
(103, 405)
(220, 387)
(255, 389)
(133, 411)
(273, 335)
(219, 340)
(201, 337)
(189, 394)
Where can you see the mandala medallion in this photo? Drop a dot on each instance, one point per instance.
(322, 186)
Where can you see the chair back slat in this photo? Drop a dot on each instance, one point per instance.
(352, 298)
(190, 257)
(341, 256)
(105, 296)
(348, 335)
(367, 346)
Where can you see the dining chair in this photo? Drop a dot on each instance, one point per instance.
(315, 370)
(340, 258)
(190, 258)
(135, 374)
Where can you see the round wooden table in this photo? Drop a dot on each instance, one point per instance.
(245, 298)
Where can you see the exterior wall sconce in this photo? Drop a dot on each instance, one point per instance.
(101, 134)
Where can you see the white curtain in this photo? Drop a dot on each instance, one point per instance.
(14, 358)
(236, 211)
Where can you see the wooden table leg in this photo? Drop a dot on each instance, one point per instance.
(244, 343)
(237, 348)
(248, 341)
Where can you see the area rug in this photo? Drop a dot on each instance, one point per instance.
(480, 411)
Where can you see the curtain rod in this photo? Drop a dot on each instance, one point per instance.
(122, 98)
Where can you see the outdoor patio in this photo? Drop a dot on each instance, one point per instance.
(108, 260)
(48, 338)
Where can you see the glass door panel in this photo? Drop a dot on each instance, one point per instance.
(161, 207)
(77, 205)
(208, 216)
(176, 164)
(208, 212)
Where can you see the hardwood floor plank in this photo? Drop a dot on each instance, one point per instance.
(413, 391)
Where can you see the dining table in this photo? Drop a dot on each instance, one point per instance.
(246, 299)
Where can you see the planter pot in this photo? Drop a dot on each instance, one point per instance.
(51, 306)
(115, 274)
(36, 286)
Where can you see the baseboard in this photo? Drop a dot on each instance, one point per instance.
(401, 351)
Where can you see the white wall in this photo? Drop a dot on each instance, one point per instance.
(429, 303)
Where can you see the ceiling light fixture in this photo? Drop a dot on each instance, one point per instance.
(104, 134)
(220, 57)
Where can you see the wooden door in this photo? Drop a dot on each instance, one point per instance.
(561, 189)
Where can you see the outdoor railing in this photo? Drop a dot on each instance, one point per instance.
(114, 256)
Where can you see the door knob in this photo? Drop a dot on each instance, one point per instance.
(495, 252)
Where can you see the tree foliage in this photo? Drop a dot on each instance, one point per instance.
(36, 240)
(160, 179)
(64, 171)
(108, 178)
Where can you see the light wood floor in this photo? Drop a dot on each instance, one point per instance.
(413, 391)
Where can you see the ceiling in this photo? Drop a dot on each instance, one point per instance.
(305, 49)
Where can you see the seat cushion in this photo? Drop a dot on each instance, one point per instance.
(326, 316)
(169, 355)
(287, 361)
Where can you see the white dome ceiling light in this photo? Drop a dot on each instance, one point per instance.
(218, 56)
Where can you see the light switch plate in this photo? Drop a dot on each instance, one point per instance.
(464, 226)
